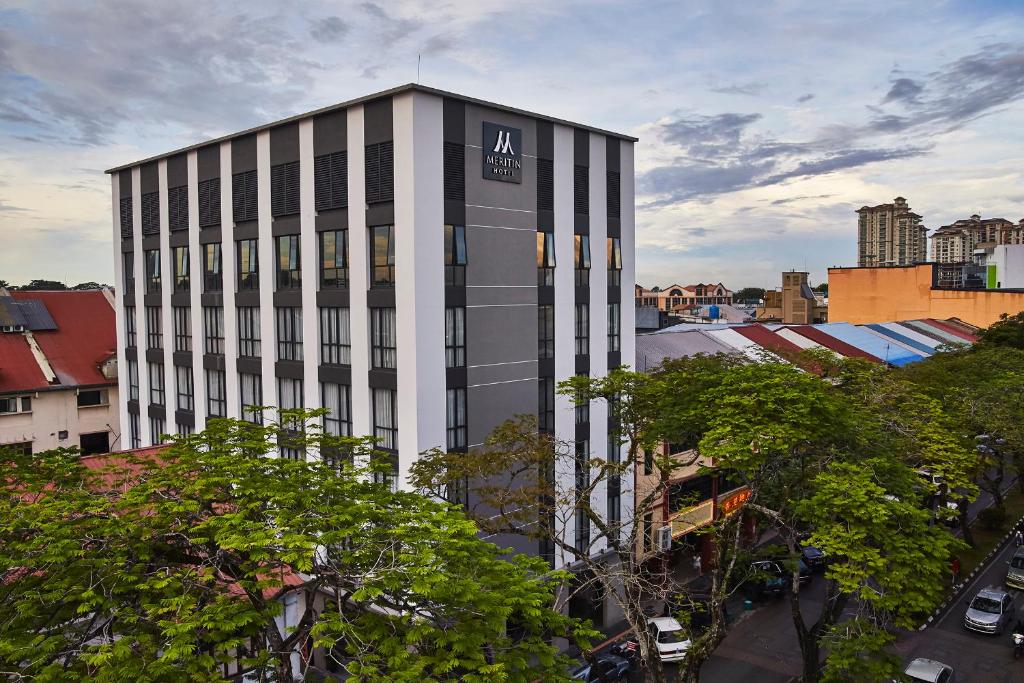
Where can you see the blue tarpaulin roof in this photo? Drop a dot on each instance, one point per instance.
(893, 354)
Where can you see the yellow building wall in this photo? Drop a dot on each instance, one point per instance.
(877, 295)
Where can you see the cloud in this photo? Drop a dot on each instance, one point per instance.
(329, 29)
(740, 89)
(805, 98)
(790, 200)
(904, 90)
(7, 208)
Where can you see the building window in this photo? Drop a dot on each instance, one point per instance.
(250, 391)
(284, 189)
(213, 276)
(456, 418)
(15, 404)
(335, 336)
(385, 418)
(546, 404)
(134, 432)
(184, 429)
(334, 259)
(380, 172)
(455, 255)
(545, 259)
(545, 331)
(156, 383)
(582, 407)
(289, 393)
(581, 189)
(216, 394)
(177, 208)
(582, 481)
(383, 345)
(185, 388)
(182, 328)
(330, 181)
(157, 429)
(337, 401)
(290, 397)
(128, 265)
(213, 329)
(582, 260)
(181, 270)
(648, 532)
(243, 196)
(129, 326)
(289, 266)
(152, 270)
(289, 333)
(382, 256)
(614, 262)
(614, 327)
(455, 337)
(209, 203)
(248, 265)
(614, 516)
(154, 327)
(92, 397)
(582, 329)
(133, 380)
(249, 332)
(126, 217)
(151, 213)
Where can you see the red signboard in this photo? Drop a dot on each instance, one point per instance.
(732, 501)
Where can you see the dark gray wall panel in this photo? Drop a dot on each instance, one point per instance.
(581, 147)
(501, 373)
(330, 132)
(243, 155)
(125, 180)
(284, 144)
(454, 121)
(499, 334)
(177, 170)
(489, 406)
(149, 180)
(377, 121)
(208, 162)
(500, 257)
(501, 296)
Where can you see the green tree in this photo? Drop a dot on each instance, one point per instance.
(169, 567)
(88, 285)
(749, 294)
(35, 285)
(1007, 331)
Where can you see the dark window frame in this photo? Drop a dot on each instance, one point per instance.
(289, 261)
(213, 330)
(335, 335)
(250, 343)
(180, 266)
(383, 338)
(455, 255)
(213, 267)
(382, 267)
(334, 259)
(456, 420)
(182, 321)
(248, 250)
(545, 331)
(455, 336)
(209, 203)
(288, 323)
(154, 327)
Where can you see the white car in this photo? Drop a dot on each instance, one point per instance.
(928, 671)
(671, 638)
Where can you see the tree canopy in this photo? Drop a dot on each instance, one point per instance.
(208, 555)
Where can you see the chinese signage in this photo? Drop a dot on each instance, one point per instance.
(692, 518)
(732, 501)
(502, 150)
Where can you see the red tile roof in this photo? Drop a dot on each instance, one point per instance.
(85, 337)
(19, 370)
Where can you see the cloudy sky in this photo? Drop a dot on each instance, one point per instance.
(762, 125)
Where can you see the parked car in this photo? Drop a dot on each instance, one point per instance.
(695, 607)
(1015, 574)
(672, 640)
(990, 611)
(604, 667)
(928, 671)
(813, 558)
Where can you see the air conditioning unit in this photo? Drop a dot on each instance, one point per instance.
(664, 539)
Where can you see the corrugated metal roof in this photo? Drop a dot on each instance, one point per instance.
(903, 339)
(769, 339)
(952, 329)
(652, 349)
(19, 370)
(932, 331)
(877, 346)
(911, 333)
(744, 345)
(832, 343)
(796, 338)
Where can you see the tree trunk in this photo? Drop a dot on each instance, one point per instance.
(965, 528)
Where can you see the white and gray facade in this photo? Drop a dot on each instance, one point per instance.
(415, 261)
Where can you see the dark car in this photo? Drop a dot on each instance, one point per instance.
(813, 558)
(603, 667)
(771, 577)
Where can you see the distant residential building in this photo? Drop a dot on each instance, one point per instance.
(958, 242)
(890, 235)
(58, 371)
(677, 298)
(1002, 266)
(796, 303)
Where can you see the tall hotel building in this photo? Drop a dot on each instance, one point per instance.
(422, 264)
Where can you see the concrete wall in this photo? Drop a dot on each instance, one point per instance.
(56, 411)
(873, 295)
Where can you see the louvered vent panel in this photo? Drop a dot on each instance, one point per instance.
(278, 190)
(251, 207)
(581, 189)
(243, 196)
(330, 180)
(177, 208)
(292, 196)
(372, 165)
(454, 171)
(151, 213)
(209, 203)
(339, 179)
(387, 171)
(614, 195)
(126, 217)
(545, 185)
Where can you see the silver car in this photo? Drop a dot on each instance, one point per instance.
(990, 611)
(1015, 574)
(928, 671)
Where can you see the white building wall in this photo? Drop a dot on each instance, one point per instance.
(268, 272)
(598, 314)
(310, 273)
(195, 260)
(56, 411)
(120, 439)
(166, 317)
(140, 307)
(359, 278)
(627, 311)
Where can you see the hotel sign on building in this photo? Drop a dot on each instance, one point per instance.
(502, 149)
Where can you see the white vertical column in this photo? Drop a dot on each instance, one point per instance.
(310, 271)
(565, 316)
(627, 325)
(140, 307)
(166, 285)
(419, 276)
(598, 311)
(228, 264)
(268, 271)
(359, 256)
(119, 315)
(195, 264)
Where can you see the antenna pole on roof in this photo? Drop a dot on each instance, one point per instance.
(418, 58)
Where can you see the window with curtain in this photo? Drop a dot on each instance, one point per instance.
(455, 255)
(455, 336)
(582, 329)
(249, 332)
(545, 331)
(289, 333)
(216, 394)
(290, 397)
(385, 418)
(182, 328)
(133, 380)
(614, 327)
(337, 401)
(250, 391)
(335, 336)
(156, 383)
(213, 329)
(154, 327)
(383, 342)
(456, 418)
(185, 388)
